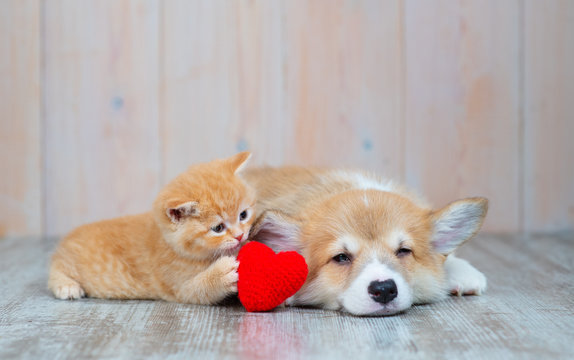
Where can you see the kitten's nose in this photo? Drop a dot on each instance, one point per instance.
(238, 238)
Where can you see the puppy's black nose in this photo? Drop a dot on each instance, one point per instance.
(383, 291)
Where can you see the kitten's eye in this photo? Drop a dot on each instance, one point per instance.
(402, 252)
(342, 258)
(218, 228)
(243, 215)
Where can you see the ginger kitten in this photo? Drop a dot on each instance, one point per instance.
(183, 251)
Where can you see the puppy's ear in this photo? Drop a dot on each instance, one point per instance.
(277, 230)
(238, 161)
(457, 222)
(182, 211)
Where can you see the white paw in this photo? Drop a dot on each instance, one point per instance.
(463, 278)
(69, 292)
(228, 265)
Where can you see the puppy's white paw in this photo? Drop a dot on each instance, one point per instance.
(463, 278)
(69, 292)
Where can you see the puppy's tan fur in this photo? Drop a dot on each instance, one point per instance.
(323, 213)
(171, 253)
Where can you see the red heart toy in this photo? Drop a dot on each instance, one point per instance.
(267, 279)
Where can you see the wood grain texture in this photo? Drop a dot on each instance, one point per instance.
(527, 313)
(221, 82)
(343, 83)
(20, 124)
(100, 90)
(549, 122)
(462, 104)
(282, 83)
(103, 101)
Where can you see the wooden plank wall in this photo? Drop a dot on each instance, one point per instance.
(462, 103)
(100, 109)
(21, 176)
(103, 101)
(548, 122)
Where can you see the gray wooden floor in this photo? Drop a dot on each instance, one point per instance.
(527, 312)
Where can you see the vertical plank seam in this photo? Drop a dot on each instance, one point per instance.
(42, 120)
(402, 91)
(521, 117)
(161, 94)
(283, 90)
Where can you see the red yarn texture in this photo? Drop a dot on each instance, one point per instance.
(267, 279)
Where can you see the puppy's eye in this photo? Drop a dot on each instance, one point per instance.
(402, 252)
(218, 228)
(341, 258)
(243, 215)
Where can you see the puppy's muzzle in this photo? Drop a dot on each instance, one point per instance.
(383, 291)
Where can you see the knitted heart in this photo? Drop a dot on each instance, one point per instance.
(267, 279)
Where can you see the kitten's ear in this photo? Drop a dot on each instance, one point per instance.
(237, 162)
(182, 211)
(457, 222)
(277, 230)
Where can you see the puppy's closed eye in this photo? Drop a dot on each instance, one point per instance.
(403, 252)
(342, 259)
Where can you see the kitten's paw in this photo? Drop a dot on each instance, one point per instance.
(63, 286)
(69, 291)
(463, 278)
(227, 269)
(212, 285)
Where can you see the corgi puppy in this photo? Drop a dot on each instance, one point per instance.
(372, 247)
